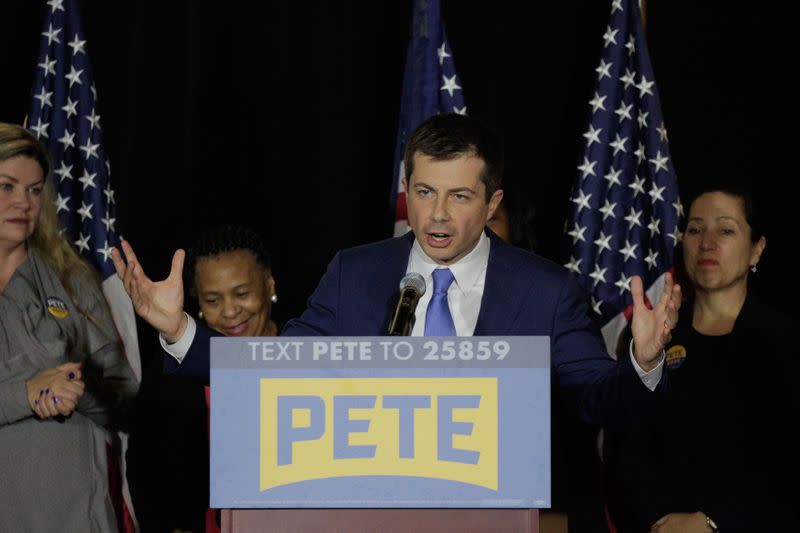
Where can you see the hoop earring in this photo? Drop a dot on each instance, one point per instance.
(274, 298)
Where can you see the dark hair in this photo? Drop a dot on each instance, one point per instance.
(229, 238)
(751, 213)
(449, 136)
(521, 215)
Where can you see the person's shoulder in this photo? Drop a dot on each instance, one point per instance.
(520, 259)
(85, 280)
(82, 279)
(758, 315)
(379, 249)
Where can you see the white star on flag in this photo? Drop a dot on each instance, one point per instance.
(48, 66)
(52, 35)
(618, 144)
(74, 76)
(442, 53)
(587, 167)
(87, 180)
(629, 251)
(577, 233)
(450, 84)
(71, 107)
(608, 209)
(597, 103)
(582, 200)
(593, 135)
(64, 171)
(83, 243)
(624, 283)
(77, 46)
(603, 242)
(44, 98)
(61, 203)
(574, 264)
(68, 140)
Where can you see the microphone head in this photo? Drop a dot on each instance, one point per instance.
(414, 281)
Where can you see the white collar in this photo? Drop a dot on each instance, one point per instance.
(467, 271)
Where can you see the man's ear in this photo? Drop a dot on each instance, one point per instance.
(494, 202)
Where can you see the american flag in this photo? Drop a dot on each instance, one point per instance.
(65, 118)
(430, 86)
(625, 208)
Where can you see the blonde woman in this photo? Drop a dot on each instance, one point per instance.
(63, 375)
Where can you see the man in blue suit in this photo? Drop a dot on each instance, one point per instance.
(477, 285)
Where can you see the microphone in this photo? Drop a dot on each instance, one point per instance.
(412, 286)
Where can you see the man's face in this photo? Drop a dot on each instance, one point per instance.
(447, 208)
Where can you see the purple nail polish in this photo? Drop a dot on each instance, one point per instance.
(47, 391)
(71, 375)
(55, 399)
(36, 401)
(41, 392)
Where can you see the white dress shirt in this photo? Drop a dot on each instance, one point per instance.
(464, 294)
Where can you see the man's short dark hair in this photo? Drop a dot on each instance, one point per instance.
(450, 136)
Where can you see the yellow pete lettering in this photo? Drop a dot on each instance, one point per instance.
(313, 428)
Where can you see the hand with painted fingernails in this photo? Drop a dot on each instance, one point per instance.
(55, 391)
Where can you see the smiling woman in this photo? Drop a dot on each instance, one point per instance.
(233, 282)
(231, 277)
(229, 273)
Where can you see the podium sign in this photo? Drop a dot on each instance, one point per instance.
(380, 422)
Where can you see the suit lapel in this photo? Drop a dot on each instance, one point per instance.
(384, 291)
(503, 291)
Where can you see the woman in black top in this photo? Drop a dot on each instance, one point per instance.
(718, 452)
(231, 278)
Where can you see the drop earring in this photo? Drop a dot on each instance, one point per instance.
(274, 298)
(753, 269)
(200, 315)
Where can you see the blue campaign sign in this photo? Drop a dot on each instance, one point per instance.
(380, 422)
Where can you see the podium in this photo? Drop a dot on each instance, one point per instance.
(380, 520)
(432, 434)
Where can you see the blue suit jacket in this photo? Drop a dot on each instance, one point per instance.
(524, 294)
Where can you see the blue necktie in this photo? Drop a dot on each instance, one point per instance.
(438, 320)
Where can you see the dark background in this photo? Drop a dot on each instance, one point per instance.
(283, 115)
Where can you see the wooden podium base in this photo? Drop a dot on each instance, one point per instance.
(380, 520)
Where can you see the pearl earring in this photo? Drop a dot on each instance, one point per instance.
(753, 268)
(200, 314)
(274, 298)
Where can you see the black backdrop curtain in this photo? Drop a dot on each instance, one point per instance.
(283, 115)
